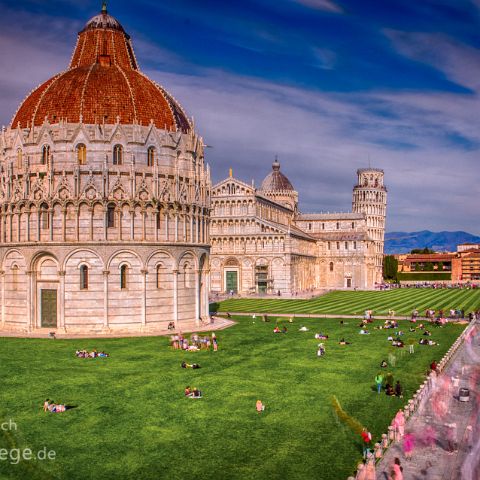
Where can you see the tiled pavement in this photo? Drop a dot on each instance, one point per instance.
(434, 460)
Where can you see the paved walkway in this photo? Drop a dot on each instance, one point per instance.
(444, 448)
(187, 327)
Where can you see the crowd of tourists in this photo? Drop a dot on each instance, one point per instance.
(195, 343)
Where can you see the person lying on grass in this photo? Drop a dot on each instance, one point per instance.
(93, 354)
(321, 336)
(53, 407)
(364, 331)
(188, 365)
(343, 342)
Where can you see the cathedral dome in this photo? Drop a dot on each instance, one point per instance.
(103, 84)
(276, 180)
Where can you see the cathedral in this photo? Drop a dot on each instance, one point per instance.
(104, 199)
(261, 243)
(109, 222)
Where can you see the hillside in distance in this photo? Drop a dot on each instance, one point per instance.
(404, 242)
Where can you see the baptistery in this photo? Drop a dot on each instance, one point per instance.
(104, 199)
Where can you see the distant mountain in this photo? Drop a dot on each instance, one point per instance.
(404, 242)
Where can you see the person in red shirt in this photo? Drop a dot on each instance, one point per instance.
(367, 439)
(433, 366)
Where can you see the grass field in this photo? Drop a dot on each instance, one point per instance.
(132, 421)
(402, 301)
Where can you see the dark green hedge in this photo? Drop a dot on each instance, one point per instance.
(422, 276)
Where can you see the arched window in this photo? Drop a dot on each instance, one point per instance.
(331, 266)
(19, 158)
(187, 272)
(117, 155)
(151, 156)
(338, 225)
(353, 224)
(45, 154)
(338, 245)
(45, 217)
(83, 277)
(15, 277)
(346, 245)
(159, 276)
(110, 216)
(123, 277)
(81, 154)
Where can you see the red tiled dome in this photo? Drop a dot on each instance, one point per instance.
(102, 85)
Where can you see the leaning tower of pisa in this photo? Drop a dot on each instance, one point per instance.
(370, 198)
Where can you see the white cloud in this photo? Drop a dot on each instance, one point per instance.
(321, 138)
(326, 5)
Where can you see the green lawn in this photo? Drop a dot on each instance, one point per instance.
(402, 301)
(132, 421)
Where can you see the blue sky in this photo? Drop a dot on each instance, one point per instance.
(329, 86)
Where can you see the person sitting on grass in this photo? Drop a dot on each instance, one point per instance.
(196, 393)
(188, 365)
(321, 350)
(259, 406)
(188, 392)
(398, 389)
(384, 364)
(389, 390)
(343, 342)
(276, 329)
(427, 333)
(364, 331)
(284, 329)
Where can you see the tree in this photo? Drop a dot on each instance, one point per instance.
(428, 267)
(440, 266)
(390, 268)
(422, 250)
(418, 267)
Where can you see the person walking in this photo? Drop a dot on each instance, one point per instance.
(367, 439)
(379, 382)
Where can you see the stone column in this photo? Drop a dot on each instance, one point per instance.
(50, 216)
(132, 224)
(91, 222)
(64, 224)
(105, 223)
(197, 297)
(105, 300)
(61, 322)
(176, 226)
(144, 298)
(31, 300)
(27, 226)
(175, 296)
(10, 223)
(166, 226)
(144, 227)
(77, 224)
(120, 218)
(157, 223)
(191, 228)
(206, 289)
(39, 219)
(2, 280)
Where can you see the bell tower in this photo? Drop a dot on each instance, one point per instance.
(370, 198)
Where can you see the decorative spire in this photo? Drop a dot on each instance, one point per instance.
(104, 7)
(230, 173)
(275, 164)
